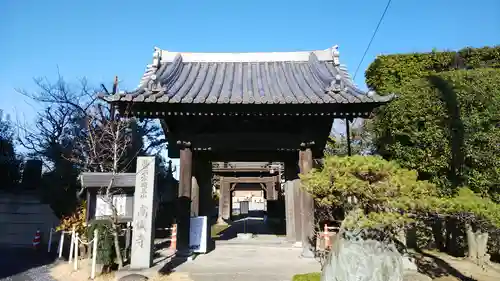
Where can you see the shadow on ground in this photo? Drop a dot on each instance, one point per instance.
(433, 266)
(252, 223)
(14, 261)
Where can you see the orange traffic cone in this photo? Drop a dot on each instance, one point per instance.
(36, 240)
(173, 241)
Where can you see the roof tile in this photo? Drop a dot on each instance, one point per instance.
(248, 82)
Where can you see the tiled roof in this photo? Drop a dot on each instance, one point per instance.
(247, 78)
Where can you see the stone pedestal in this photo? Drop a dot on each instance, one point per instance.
(307, 206)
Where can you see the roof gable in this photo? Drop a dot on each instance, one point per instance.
(247, 78)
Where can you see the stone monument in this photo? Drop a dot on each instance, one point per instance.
(143, 216)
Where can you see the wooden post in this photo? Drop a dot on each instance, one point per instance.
(204, 180)
(292, 194)
(307, 204)
(271, 191)
(94, 254)
(184, 199)
(224, 201)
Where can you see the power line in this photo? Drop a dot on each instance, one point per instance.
(373, 37)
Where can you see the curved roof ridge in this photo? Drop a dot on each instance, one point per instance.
(330, 54)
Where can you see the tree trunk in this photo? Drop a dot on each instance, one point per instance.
(477, 243)
(437, 231)
(482, 248)
(401, 236)
(117, 248)
(411, 237)
(471, 242)
(453, 232)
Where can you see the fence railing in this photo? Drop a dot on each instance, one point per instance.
(74, 246)
(75, 242)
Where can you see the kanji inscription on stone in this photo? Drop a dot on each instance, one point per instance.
(143, 219)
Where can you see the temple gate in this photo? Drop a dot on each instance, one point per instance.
(276, 107)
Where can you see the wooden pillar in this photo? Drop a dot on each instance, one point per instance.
(297, 212)
(271, 190)
(204, 180)
(184, 199)
(292, 203)
(307, 204)
(224, 201)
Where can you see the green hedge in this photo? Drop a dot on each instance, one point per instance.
(388, 72)
(444, 121)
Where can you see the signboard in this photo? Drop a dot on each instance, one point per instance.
(244, 207)
(143, 218)
(198, 234)
(103, 208)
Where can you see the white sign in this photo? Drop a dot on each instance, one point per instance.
(198, 234)
(103, 208)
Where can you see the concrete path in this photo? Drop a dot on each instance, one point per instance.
(255, 262)
(18, 264)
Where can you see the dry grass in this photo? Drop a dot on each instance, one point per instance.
(65, 272)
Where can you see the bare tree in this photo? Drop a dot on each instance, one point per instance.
(106, 147)
(57, 124)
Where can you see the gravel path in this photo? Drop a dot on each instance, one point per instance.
(24, 265)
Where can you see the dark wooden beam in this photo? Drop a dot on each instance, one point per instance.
(249, 179)
(250, 156)
(340, 110)
(248, 141)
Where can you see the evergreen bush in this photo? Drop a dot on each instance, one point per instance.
(105, 244)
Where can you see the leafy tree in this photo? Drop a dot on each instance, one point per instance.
(379, 194)
(371, 184)
(447, 128)
(9, 162)
(360, 139)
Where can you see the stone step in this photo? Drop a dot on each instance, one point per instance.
(20, 218)
(24, 208)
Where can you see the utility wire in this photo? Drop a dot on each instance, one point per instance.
(373, 37)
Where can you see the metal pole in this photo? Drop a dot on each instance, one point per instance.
(61, 244)
(348, 134)
(50, 240)
(71, 245)
(75, 265)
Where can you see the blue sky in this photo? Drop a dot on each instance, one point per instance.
(100, 39)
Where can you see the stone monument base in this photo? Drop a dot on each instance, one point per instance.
(245, 236)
